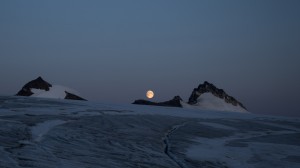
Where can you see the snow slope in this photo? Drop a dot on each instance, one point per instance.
(208, 101)
(56, 91)
(48, 133)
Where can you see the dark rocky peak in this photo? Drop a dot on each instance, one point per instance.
(207, 87)
(175, 102)
(38, 83)
(176, 98)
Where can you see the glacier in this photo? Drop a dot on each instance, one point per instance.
(47, 133)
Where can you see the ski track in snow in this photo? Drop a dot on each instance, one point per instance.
(167, 144)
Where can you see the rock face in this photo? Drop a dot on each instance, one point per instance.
(73, 96)
(40, 88)
(175, 102)
(207, 87)
(38, 83)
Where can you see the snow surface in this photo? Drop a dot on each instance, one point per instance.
(208, 101)
(239, 150)
(42, 128)
(38, 132)
(56, 91)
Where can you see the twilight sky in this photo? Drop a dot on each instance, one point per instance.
(115, 50)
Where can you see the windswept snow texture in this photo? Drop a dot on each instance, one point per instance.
(41, 129)
(56, 92)
(47, 133)
(208, 101)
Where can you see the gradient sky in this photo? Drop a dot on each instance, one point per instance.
(114, 51)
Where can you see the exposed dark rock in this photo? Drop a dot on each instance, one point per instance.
(73, 97)
(38, 83)
(207, 87)
(175, 102)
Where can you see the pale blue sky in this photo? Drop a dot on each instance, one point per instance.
(113, 51)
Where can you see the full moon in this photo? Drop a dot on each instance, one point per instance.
(150, 94)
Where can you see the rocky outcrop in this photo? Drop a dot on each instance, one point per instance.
(175, 102)
(38, 83)
(207, 87)
(47, 90)
(73, 96)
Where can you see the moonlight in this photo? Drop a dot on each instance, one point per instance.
(150, 94)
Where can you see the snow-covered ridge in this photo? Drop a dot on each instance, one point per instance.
(208, 101)
(199, 94)
(40, 88)
(56, 91)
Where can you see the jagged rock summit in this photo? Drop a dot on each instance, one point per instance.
(175, 102)
(38, 83)
(209, 92)
(40, 88)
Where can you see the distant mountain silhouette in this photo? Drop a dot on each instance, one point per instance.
(47, 90)
(175, 102)
(206, 97)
